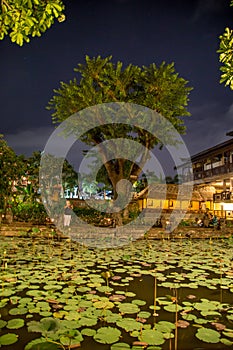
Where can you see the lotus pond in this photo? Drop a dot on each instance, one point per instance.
(148, 295)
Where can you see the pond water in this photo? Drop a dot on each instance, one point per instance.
(148, 295)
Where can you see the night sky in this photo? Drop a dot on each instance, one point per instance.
(140, 32)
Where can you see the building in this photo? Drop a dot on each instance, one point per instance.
(213, 173)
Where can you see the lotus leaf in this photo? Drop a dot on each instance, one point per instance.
(189, 317)
(130, 294)
(210, 313)
(25, 301)
(2, 323)
(120, 270)
(70, 307)
(103, 305)
(201, 321)
(43, 305)
(83, 289)
(155, 307)
(165, 326)
(151, 337)
(15, 323)
(226, 341)
(72, 340)
(84, 303)
(88, 332)
(45, 313)
(144, 314)
(3, 303)
(35, 293)
(8, 339)
(107, 335)
(139, 302)
(72, 315)
(7, 292)
(87, 321)
(205, 306)
(40, 344)
(128, 308)
(120, 346)
(52, 286)
(104, 289)
(18, 311)
(172, 307)
(129, 324)
(113, 318)
(228, 333)
(47, 324)
(208, 335)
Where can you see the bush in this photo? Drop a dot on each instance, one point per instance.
(89, 215)
(184, 223)
(33, 212)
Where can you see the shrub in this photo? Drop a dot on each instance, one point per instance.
(33, 212)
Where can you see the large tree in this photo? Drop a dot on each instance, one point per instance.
(23, 19)
(12, 168)
(100, 81)
(226, 56)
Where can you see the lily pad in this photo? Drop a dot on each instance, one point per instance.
(15, 323)
(103, 305)
(144, 314)
(8, 339)
(208, 335)
(172, 307)
(151, 337)
(107, 335)
(40, 344)
(18, 311)
(120, 346)
(44, 325)
(87, 321)
(128, 308)
(88, 332)
(2, 323)
(129, 324)
(226, 341)
(73, 341)
(139, 302)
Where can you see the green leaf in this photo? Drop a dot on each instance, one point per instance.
(151, 337)
(226, 341)
(128, 308)
(208, 335)
(40, 344)
(15, 323)
(107, 335)
(129, 324)
(44, 325)
(120, 346)
(8, 339)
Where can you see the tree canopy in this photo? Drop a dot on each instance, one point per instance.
(100, 81)
(23, 19)
(226, 56)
